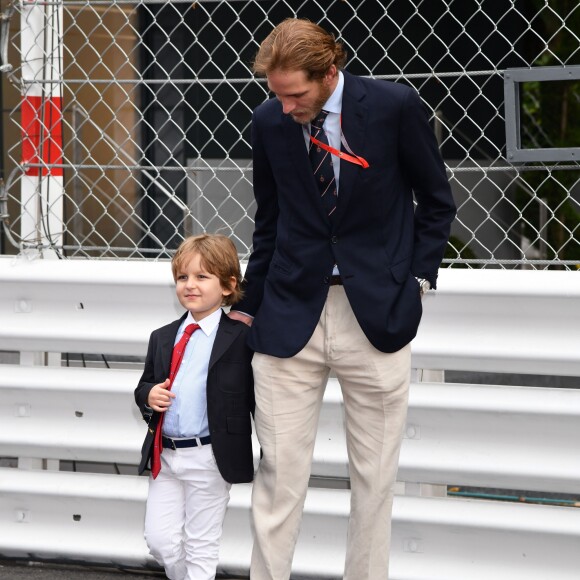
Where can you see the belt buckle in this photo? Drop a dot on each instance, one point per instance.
(172, 444)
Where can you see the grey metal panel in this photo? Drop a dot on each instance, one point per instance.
(512, 80)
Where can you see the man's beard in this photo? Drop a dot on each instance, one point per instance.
(316, 105)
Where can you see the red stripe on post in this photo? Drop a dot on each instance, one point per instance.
(30, 123)
(42, 135)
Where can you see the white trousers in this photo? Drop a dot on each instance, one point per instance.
(186, 507)
(289, 393)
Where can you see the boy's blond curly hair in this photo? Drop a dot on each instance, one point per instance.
(218, 256)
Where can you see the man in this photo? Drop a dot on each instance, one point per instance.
(339, 264)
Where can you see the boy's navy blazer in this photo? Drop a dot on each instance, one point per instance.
(230, 395)
(378, 239)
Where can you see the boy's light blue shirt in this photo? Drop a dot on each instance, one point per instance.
(187, 415)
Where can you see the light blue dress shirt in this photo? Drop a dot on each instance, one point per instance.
(187, 415)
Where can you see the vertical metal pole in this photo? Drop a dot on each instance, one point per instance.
(42, 193)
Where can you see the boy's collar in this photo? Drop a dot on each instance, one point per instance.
(207, 324)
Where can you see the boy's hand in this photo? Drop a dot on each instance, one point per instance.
(159, 398)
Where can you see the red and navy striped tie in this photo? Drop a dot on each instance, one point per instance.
(321, 161)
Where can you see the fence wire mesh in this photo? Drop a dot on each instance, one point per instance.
(156, 98)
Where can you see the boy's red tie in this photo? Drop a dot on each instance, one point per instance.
(176, 359)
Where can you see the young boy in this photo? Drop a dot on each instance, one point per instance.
(198, 412)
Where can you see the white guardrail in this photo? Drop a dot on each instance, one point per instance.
(522, 438)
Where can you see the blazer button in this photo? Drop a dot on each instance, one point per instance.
(334, 240)
(326, 279)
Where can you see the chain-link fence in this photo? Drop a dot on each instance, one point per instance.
(153, 101)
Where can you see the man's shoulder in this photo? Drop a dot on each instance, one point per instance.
(269, 110)
(378, 86)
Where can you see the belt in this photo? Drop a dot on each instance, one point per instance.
(335, 280)
(170, 443)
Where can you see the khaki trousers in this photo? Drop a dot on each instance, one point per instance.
(289, 393)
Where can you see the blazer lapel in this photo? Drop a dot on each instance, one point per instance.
(227, 332)
(354, 123)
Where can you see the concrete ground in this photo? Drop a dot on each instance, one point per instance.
(35, 571)
(12, 570)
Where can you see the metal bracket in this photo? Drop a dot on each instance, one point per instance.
(3, 201)
(4, 36)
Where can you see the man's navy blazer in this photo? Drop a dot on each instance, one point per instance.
(378, 239)
(230, 395)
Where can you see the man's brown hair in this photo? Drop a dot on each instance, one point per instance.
(218, 256)
(299, 44)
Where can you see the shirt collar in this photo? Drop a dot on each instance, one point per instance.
(334, 102)
(207, 324)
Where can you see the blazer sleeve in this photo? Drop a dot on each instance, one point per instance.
(147, 380)
(424, 168)
(266, 218)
